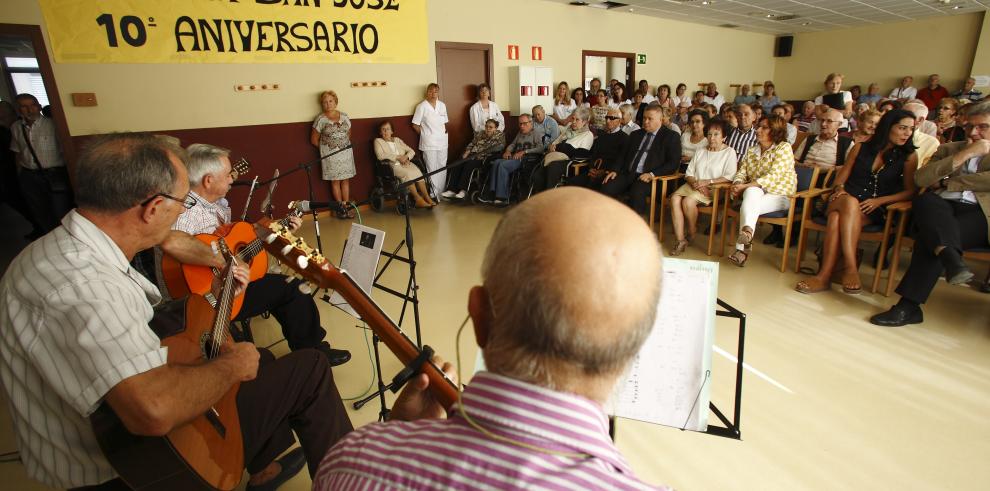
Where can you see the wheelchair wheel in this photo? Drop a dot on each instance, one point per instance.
(377, 199)
(475, 197)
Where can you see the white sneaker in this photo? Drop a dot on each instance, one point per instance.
(447, 194)
(460, 195)
(498, 202)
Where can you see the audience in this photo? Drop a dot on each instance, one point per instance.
(680, 95)
(833, 97)
(807, 116)
(947, 219)
(668, 120)
(945, 117)
(905, 92)
(563, 105)
(765, 181)
(889, 105)
(580, 98)
(627, 113)
(485, 109)
(925, 143)
(693, 138)
(541, 122)
(644, 88)
(713, 97)
(881, 173)
(663, 98)
(866, 125)
(968, 92)
(599, 111)
(593, 88)
(784, 111)
(391, 150)
(649, 152)
(618, 95)
(931, 94)
(744, 96)
(743, 136)
(872, 95)
(956, 132)
(769, 98)
(529, 141)
(826, 149)
(574, 142)
(484, 143)
(714, 164)
(608, 148)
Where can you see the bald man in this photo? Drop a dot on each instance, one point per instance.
(827, 149)
(556, 331)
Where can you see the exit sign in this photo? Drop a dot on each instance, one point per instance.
(641, 59)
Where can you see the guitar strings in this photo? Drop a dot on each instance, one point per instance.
(463, 412)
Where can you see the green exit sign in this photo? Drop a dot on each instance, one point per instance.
(641, 59)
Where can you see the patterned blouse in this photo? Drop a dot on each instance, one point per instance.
(482, 144)
(773, 169)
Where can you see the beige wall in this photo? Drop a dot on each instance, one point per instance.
(161, 97)
(882, 54)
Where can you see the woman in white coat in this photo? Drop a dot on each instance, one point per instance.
(485, 109)
(430, 121)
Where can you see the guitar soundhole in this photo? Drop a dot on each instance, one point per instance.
(206, 345)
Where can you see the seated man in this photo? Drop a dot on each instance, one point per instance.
(786, 111)
(926, 143)
(568, 359)
(210, 177)
(550, 128)
(649, 152)
(828, 148)
(74, 333)
(607, 147)
(948, 219)
(742, 136)
(529, 141)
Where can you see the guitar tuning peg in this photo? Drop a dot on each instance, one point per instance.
(286, 249)
(271, 238)
(302, 262)
(305, 288)
(289, 277)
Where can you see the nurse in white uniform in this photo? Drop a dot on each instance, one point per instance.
(430, 121)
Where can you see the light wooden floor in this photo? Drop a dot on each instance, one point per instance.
(830, 401)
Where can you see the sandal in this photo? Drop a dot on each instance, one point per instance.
(812, 285)
(679, 248)
(739, 258)
(745, 236)
(850, 282)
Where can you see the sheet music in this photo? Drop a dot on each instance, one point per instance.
(360, 260)
(669, 381)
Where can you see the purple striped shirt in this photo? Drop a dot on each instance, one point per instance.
(450, 454)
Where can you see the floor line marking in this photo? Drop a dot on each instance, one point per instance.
(756, 372)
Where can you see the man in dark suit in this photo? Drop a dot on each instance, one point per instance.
(949, 218)
(608, 147)
(649, 152)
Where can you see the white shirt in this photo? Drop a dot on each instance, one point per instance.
(903, 93)
(73, 324)
(972, 167)
(629, 127)
(712, 165)
(716, 101)
(648, 99)
(563, 111)
(688, 149)
(43, 139)
(791, 133)
(480, 115)
(432, 121)
(678, 100)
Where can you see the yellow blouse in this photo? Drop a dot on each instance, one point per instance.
(773, 169)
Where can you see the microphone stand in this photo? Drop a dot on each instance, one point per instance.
(254, 184)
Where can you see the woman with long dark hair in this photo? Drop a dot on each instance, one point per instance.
(881, 173)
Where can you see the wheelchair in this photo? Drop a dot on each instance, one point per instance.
(386, 187)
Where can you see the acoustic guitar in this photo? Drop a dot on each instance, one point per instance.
(239, 237)
(312, 266)
(205, 453)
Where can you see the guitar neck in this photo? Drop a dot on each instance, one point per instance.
(254, 247)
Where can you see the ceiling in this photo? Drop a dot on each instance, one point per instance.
(774, 16)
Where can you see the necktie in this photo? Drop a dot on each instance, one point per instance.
(644, 147)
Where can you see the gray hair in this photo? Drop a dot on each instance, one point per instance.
(528, 115)
(204, 159)
(978, 109)
(118, 171)
(582, 113)
(539, 107)
(918, 109)
(534, 326)
(627, 110)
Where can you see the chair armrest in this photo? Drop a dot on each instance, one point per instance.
(671, 177)
(812, 193)
(901, 206)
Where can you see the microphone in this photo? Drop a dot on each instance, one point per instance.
(307, 206)
(241, 183)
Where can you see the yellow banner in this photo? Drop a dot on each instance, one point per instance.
(237, 31)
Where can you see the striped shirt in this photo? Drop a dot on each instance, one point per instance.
(44, 140)
(73, 323)
(450, 454)
(741, 140)
(204, 218)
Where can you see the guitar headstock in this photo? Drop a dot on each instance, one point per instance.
(297, 255)
(241, 167)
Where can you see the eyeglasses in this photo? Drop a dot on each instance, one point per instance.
(187, 202)
(981, 127)
(612, 118)
(944, 108)
(525, 122)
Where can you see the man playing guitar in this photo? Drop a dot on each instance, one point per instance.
(74, 333)
(210, 177)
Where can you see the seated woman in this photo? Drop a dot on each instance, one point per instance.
(667, 120)
(563, 105)
(574, 142)
(769, 98)
(881, 173)
(485, 109)
(599, 111)
(393, 151)
(807, 116)
(618, 96)
(580, 98)
(945, 120)
(628, 115)
(483, 144)
(713, 164)
(766, 180)
(866, 125)
(693, 137)
(663, 97)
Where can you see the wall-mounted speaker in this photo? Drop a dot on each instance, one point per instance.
(783, 46)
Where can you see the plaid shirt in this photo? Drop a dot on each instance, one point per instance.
(203, 218)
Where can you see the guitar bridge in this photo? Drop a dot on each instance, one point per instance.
(214, 418)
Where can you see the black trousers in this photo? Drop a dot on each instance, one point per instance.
(548, 176)
(638, 190)
(294, 311)
(939, 222)
(458, 178)
(46, 204)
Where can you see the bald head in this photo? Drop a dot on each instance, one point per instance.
(919, 110)
(561, 319)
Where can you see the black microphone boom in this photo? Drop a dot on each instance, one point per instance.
(308, 206)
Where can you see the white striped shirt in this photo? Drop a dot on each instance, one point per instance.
(73, 323)
(204, 218)
(450, 454)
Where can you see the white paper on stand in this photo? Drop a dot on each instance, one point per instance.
(360, 260)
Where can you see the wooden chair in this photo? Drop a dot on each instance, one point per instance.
(801, 135)
(806, 177)
(665, 183)
(719, 192)
(870, 232)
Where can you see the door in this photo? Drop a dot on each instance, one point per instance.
(460, 68)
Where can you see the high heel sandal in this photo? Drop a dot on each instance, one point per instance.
(679, 248)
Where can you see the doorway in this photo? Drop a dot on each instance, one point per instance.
(460, 68)
(25, 67)
(608, 65)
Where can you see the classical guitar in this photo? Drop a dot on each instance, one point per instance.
(312, 266)
(205, 453)
(240, 237)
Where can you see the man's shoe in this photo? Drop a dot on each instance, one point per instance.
(899, 315)
(958, 276)
(486, 197)
(460, 195)
(447, 194)
(334, 356)
(291, 463)
(774, 238)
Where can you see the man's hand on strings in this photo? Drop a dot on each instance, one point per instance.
(416, 401)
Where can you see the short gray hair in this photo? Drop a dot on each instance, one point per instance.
(118, 171)
(582, 113)
(204, 159)
(540, 108)
(533, 329)
(918, 109)
(978, 109)
(627, 110)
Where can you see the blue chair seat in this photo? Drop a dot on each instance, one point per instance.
(780, 214)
